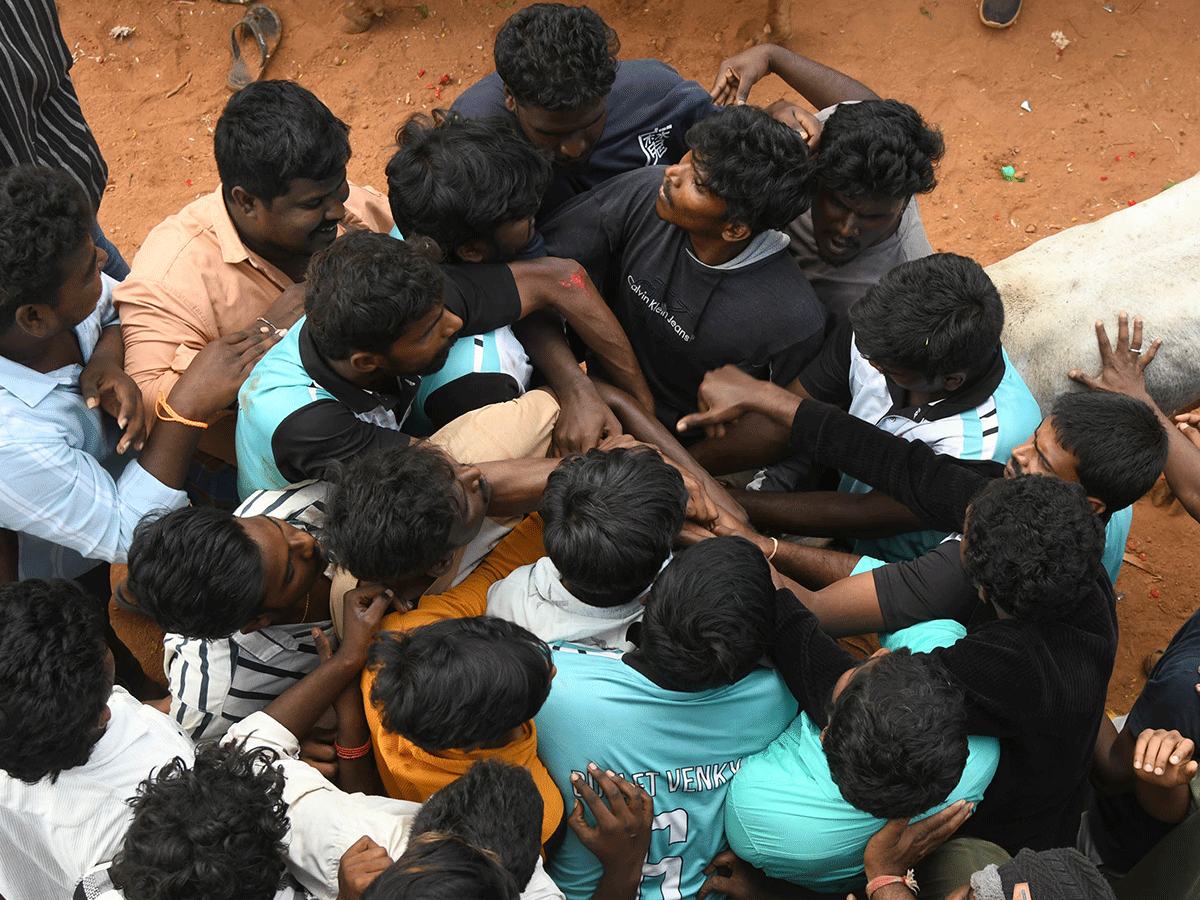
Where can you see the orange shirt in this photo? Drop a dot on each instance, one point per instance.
(410, 773)
(193, 281)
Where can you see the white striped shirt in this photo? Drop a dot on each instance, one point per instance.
(214, 683)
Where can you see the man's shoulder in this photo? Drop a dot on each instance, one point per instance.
(185, 239)
(484, 98)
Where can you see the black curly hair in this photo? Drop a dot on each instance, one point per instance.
(897, 737)
(54, 669)
(44, 217)
(196, 572)
(495, 806)
(215, 830)
(457, 180)
(390, 512)
(757, 165)
(273, 132)
(936, 315)
(556, 57)
(878, 147)
(1033, 544)
(436, 867)
(365, 290)
(611, 518)
(458, 682)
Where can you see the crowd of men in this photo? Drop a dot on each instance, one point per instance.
(421, 489)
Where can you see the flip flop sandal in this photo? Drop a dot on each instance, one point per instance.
(262, 23)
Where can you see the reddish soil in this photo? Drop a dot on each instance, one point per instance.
(1112, 119)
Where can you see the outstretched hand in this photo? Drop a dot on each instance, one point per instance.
(731, 875)
(364, 608)
(1122, 368)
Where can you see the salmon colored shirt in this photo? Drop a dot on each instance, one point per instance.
(410, 773)
(194, 281)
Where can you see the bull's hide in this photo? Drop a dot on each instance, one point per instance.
(1144, 259)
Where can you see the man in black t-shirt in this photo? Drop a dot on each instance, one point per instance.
(691, 260)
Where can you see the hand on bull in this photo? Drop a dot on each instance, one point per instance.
(1122, 368)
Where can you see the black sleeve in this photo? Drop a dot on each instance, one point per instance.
(808, 659)
(932, 586)
(312, 437)
(483, 295)
(787, 364)
(827, 377)
(938, 488)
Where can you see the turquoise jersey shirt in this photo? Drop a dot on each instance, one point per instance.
(785, 815)
(682, 748)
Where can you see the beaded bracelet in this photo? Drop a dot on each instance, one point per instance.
(352, 752)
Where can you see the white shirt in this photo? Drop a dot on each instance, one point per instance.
(326, 821)
(533, 597)
(51, 834)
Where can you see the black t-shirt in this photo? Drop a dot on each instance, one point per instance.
(650, 109)
(684, 318)
(353, 420)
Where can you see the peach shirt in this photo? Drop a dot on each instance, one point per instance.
(193, 281)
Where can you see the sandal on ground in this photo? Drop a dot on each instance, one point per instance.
(262, 23)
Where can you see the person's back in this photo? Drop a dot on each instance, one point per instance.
(789, 815)
(676, 716)
(610, 520)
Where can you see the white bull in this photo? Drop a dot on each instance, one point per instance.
(1144, 259)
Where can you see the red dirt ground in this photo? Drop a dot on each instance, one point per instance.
(1113, 119)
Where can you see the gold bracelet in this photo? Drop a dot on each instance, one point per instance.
(163, 410)
(774, 547)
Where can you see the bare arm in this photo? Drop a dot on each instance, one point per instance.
(583, 419)
(564, 286)
(819, 85)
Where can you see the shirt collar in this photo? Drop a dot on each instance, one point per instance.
(957, 402)
(233, 249)
(358, 399)
(30, 386)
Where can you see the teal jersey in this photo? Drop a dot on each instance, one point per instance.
(682, 748)
(786, 816)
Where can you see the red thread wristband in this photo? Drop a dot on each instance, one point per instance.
(352, 752)
(909, 880)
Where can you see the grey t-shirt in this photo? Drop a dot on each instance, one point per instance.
(838, 287)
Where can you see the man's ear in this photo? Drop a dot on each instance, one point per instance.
(363, 362)
(510, 102)
(473, 251)
(245, 202)
(1099, 507)
(262, 620)
(954, 382)
(442, 566)
(36, 319)
(735, 232)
